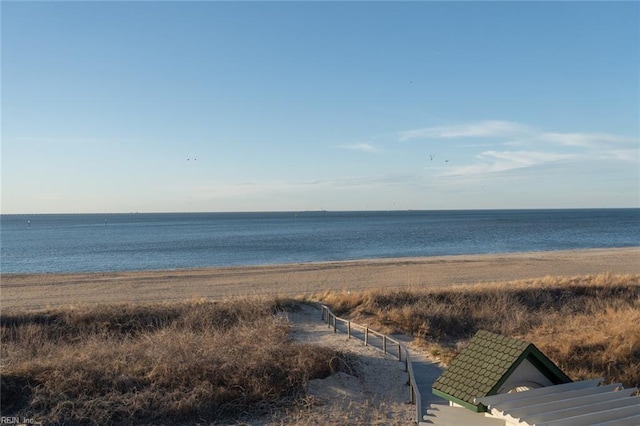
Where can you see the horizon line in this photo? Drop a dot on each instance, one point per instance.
(322, 211)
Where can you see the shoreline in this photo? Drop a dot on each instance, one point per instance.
(373, 260)
(49, 290)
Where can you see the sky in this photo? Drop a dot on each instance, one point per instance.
(289, 106)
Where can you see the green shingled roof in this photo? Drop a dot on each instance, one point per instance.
(481, 368)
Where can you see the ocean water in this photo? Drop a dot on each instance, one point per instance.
(128, 242)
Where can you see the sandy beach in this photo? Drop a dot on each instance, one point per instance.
(38, 291)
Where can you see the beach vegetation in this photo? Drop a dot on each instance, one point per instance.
(588, 325)
(234, 361)
(179, 363)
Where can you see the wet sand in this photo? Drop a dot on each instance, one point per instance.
(38, 291)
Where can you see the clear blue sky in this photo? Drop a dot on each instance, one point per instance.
(219, 106)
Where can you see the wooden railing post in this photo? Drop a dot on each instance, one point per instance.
(408, 365)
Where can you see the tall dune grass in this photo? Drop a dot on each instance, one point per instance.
(205, 362)
(588, 325)
(164, 364)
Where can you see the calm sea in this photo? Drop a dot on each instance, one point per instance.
(122, 242)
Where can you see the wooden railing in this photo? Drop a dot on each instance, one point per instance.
(385, 343)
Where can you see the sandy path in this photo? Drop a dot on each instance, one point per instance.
(377, 392)
(35, 291)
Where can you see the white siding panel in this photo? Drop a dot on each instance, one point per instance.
(570, 403)
(627, 421)
(513, 406)
(495, 399)
(594, 418)
(592, 408)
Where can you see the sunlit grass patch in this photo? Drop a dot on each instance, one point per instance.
(157, 364)
(588, 325)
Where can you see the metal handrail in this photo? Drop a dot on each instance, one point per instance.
(327, 316)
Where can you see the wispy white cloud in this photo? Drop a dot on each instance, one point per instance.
(587, 140)
(478, 129)
(537, 148)
(513, 133)
(364, 146)
(526, 158)
(502, 161)
(627, 155)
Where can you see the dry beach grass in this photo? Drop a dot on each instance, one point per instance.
(249, 361)
(589, 325)
(181, 363)
(223, 355)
